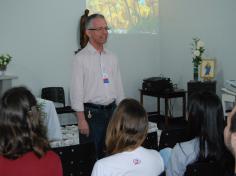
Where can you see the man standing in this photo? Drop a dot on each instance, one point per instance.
(96, 86)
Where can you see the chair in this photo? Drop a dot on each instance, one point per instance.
(151, 141)
(77, 160)
(202, 169)
(57, 95)
(169, 137)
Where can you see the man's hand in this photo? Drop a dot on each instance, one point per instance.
(82, 123)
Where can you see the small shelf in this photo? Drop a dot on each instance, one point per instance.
(6, 77)
(6, 82)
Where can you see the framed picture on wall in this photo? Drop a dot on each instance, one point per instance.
(207, 69)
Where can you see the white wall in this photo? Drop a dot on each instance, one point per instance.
(139, 58)
(41, 35)
(213, 21)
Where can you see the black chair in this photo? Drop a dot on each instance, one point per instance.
(169, 137)
(151, 141)
(203, 169)
(57, 95)
(77, 160)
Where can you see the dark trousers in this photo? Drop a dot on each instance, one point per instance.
(97, 126)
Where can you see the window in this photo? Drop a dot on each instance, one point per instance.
(128, 16)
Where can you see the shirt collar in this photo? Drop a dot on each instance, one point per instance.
(91, 49)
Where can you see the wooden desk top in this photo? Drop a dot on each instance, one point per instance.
(166, 94)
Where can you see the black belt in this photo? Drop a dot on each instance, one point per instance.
(97, 106)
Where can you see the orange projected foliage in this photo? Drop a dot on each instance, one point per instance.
(128, 16)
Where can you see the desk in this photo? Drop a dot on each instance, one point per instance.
(70, 136)
(177, 93)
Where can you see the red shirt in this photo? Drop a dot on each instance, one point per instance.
(30, 165)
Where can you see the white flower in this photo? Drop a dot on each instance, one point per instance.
(196, 53)
(200, 44)
(4, 60)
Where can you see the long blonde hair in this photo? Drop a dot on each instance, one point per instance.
(127, 128)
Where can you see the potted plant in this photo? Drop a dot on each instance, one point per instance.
(197, 51)
(4, 61)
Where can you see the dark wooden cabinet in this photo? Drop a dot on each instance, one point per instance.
(196, 86)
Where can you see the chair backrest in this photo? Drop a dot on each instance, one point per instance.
(151, 141)
(202, 169)
(169, 137)
(77, 160)
(55, 94)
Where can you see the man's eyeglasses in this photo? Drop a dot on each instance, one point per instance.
(100, 29)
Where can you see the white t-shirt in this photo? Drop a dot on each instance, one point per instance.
(139, 162)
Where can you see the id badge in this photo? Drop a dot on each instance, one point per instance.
(105, 78)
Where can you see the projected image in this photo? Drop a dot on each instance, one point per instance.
(128, 16)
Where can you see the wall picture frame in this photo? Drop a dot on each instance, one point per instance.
(207, 69)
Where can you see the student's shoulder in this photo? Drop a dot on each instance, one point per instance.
(187, 147)
(150, 152)
(51, 155)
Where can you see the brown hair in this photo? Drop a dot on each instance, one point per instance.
(21, 126)
(127, 128)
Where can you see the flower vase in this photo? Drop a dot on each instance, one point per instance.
(195, 72)
(2, 70)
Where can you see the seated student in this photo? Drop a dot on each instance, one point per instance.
(24, 148)
(230, 135)
(205, 130)
(125, 134)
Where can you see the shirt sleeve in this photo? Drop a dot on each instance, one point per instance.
(177, 163)
(54, 129)
(162, 166)
(76, 88)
